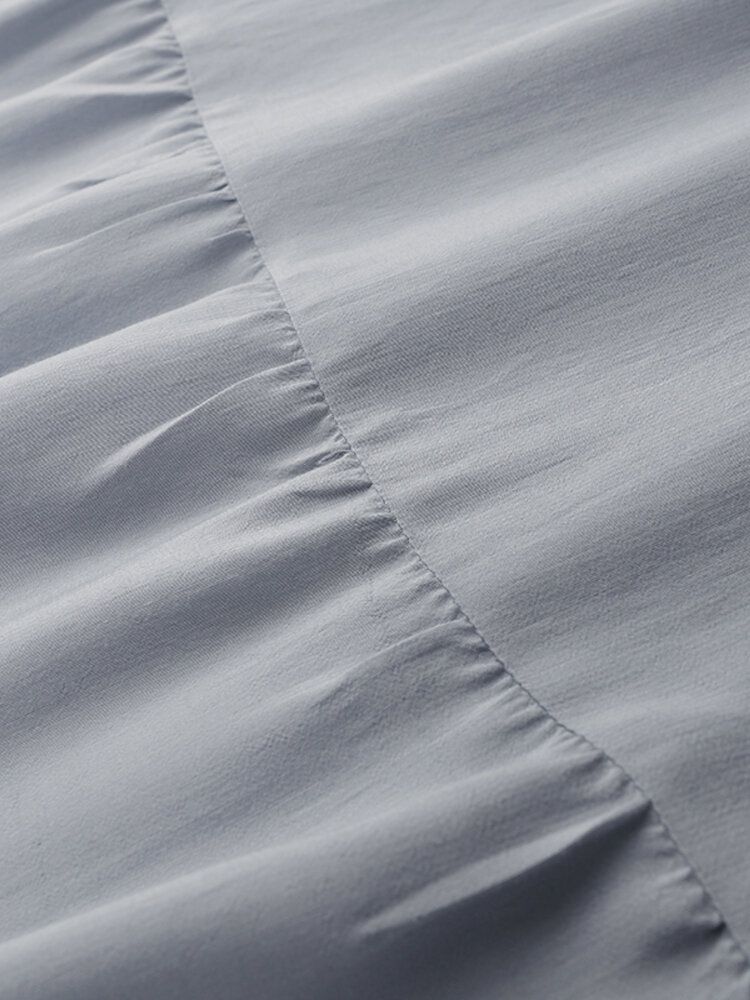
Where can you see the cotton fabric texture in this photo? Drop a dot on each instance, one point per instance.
(374, 511)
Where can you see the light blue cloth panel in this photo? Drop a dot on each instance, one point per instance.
(374, 523)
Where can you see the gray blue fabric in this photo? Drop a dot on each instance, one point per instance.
(374, 512)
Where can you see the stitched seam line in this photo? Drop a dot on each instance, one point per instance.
(339, 435)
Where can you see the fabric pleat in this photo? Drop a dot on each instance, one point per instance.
(254, 743)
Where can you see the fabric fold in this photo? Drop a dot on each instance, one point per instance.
(252, 745)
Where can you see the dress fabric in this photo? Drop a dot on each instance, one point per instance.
(374, 513)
